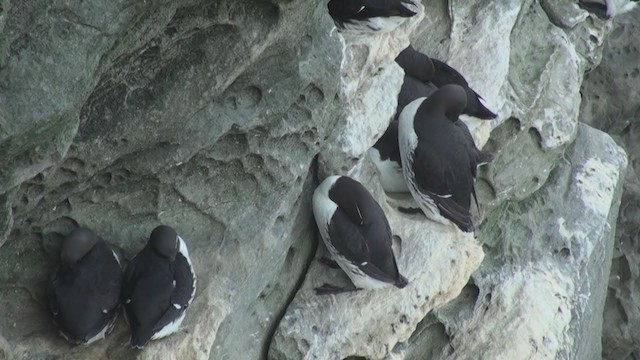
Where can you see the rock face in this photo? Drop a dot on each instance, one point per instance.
(202, 115)
(208, 116)
(436, 259)
(547, 259)
(612, 103)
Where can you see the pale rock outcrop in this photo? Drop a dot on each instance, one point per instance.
(208, 116)
(539, 293)
(541, 286)
(610, 102)
(204, 115)
(370, 83)
(436, 259)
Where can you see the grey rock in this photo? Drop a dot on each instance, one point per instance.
(208, 116)
(611, 103)
(436, 259)
(370, 83)
(547, 264)
(6, 218)
(203, 115)
(564, 13)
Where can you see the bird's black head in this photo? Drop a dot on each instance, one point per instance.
(416, 64)
(77, 245)
(164, 241)
(450, 100)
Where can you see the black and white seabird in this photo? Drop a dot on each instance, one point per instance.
(385, 154)
(356, 232)
(159, 285)
(435, 74)
(368, 16)
(84, 291)
(421, 77)
(438, 167)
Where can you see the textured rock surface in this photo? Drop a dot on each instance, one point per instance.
(436, 259)
(120, 115)
(204, 115)
(612, 103)
(533, 83)
(539, 119)
(547, 258)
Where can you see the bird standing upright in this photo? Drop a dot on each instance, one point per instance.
(437, 164)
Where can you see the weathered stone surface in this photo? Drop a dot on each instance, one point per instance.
(436, 259)
(565, 14)
(611, 102)
(202, 115)
(532, 82)
(370, 83)
(548, 256)
(120, 115)
(6, 218)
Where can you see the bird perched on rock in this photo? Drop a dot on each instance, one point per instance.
(159, 285)
(423, 76)
(356, 232)
(437, 164)
(369, 16)
(427, 74)
(385, 154)
(84, 291)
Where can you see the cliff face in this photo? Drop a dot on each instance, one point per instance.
(612, 103)
(218, 118)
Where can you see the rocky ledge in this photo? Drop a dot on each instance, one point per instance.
(219, 118)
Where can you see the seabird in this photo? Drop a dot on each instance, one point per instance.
(419, 66)
(159, 285)
(356, 232)
(423, 76)
(369, 16)
(437, 164)
(84, 291)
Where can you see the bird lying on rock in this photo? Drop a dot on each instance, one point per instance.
(438, 165)
(159, 285)
(369, 16)
(356, 232)
(84, 291)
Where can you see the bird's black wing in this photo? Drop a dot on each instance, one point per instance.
(346, 237)
(108, 277)
(449, 186)
(128, 280)
(415, 64)
(445, 74)
(185, 282)
(375, 8)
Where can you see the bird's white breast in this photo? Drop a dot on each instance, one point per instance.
(391, 177)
